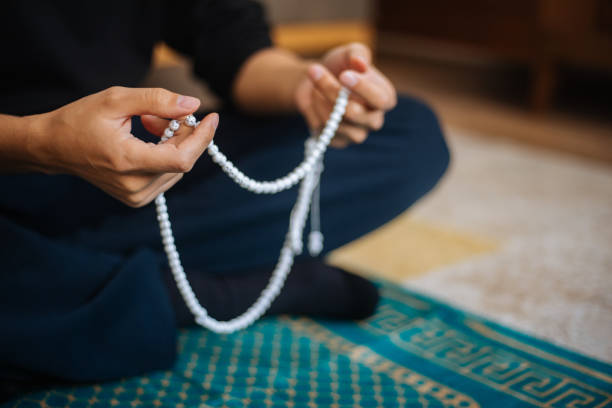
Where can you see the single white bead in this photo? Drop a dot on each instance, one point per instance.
(336, 116)
(190, 121)
(174, 124)
(315, 243)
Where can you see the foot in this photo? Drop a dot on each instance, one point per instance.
(313, 289)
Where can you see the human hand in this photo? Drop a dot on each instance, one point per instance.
(91, 138)
(372, 94)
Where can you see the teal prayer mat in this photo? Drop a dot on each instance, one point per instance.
(413, 352)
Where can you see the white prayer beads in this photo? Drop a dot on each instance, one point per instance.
(308, 172)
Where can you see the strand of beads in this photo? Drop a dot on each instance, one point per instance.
(308, 172)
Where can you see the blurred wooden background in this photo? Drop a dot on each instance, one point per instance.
(499, 68)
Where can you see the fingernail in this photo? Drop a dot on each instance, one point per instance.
(316, 72)
(362, 59)
(187, 102)
(349, 79)
(215, 121)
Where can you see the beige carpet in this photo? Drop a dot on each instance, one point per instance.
(517, 234)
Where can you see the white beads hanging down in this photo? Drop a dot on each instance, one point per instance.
(308, 172)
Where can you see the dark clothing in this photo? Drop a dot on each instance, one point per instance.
(55, 52)
(81, 295)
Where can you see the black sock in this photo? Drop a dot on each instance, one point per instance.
(313, 289)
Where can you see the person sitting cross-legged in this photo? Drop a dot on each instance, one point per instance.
(85, 290)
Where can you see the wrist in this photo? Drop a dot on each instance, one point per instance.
(20, 146)
(295, 79)
(268, 81)
(35, 141)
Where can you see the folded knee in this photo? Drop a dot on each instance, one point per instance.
(419, 142)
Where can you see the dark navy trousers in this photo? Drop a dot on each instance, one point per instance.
(81, 289)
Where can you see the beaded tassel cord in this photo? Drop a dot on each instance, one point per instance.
(308, 172)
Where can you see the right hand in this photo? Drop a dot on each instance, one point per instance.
(91, 138)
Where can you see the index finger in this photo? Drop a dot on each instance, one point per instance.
(175, 156)
(152, 101)
(372, 86)
(324, 81)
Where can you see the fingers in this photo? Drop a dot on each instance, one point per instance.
(372, 86)
(324, 81)
(356, 114)
(154, 124)
(151, 101)
(340, 142)
(359, 56)
(351, 56)
(355, 134)
(130, 191)
(304, 101)
(347, 135)
(162, 185)
(347, 132)
(177, 155)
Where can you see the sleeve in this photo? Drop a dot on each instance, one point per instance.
(220, 35)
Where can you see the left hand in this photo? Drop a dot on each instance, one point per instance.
(372, 94)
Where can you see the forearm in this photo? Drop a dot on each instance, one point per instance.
(267, 82)
(17, 136)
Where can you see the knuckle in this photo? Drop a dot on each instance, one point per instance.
(329, 86)
(353, 111)
(378, 122)
(356, 45)
(151, 95)
(184, 163)
(359, 136)
(339, 142)
(133, 201)
(120, 164)
(113, 95)
(391, 101)
(156, 96)
(382, 101)
(130, 185)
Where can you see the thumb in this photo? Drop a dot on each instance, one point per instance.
(359, 57)
(149, 101)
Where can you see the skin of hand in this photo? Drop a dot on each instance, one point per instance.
(372, 94)
(91, 138)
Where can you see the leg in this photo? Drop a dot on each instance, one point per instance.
(72, 314)
(367, 185)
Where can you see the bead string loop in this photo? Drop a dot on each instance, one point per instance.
(308, 172)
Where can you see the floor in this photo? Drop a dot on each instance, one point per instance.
(517, 232)
(493, 99)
